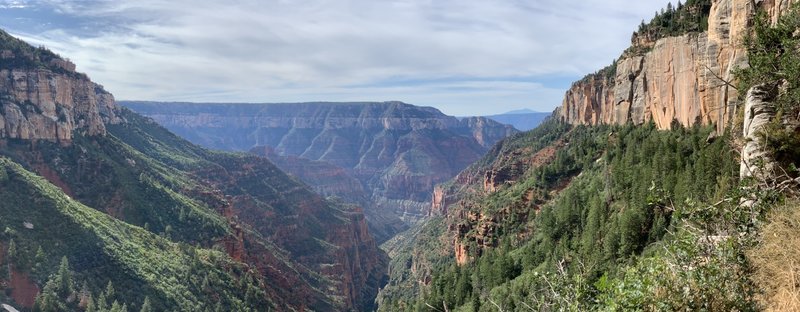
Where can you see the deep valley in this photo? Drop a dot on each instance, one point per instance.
(666, 181)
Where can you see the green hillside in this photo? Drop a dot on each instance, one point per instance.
(238, 204)
(619, 218)
(623, 218)
(45, 226)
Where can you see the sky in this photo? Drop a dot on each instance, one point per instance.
(464, 57)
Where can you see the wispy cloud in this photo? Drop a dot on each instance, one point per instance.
(465, 57)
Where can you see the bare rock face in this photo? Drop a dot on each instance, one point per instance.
(439, 201)
(759, 112)
(776, 8)
(684, 79)
(586, 101)
(43, 98)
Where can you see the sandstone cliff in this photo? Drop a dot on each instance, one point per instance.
(397, 151)
(683, 78)
(42, 97)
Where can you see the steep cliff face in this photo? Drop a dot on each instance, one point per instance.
(43, 98)
(396, 151)
(776, 8)
(683, 78)
(115, 179)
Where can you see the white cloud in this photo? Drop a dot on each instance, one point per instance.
(265, 51)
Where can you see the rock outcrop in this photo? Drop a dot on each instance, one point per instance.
(759, 112)
(43, 98)
(776, 8)
(396, 151)
(686, 79)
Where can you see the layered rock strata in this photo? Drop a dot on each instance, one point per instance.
(46, 99)
(396, 151)
(686, 79)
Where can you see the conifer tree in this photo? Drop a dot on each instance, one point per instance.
(110, 292)
(146, 306)
(116, 307)
(90, 305)
(38, 260)
(12, 250)
(64, 278)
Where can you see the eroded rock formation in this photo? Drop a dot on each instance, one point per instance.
(396, 151)
(759, 112)
(685, 78)
(48, 101)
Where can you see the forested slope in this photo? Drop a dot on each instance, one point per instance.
(609, 214)
(120, 199)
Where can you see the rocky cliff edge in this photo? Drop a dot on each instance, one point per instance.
(42, 97)
(687, 78)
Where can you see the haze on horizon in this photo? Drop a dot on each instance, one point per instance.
(463, 57)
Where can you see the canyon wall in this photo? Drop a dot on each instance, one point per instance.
(687, 78)
(396, 151)
(315, 254)
(44, 98)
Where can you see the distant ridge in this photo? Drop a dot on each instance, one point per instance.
(521, 119)
(396, 151)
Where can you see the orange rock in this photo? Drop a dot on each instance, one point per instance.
(684, 78)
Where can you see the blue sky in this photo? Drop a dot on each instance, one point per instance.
(465, 57)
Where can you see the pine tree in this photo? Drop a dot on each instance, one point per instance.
(90, 305)
(101, 303)
(116, 307)
(38, 260)
(64, 278)
(146, 306)
(110, 292)
(12, 250)
(47, 300)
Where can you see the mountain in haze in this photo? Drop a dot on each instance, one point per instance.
(102, 209)
(521, 119)
(659, 184)
(384, 156)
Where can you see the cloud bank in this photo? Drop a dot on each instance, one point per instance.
(464, 57)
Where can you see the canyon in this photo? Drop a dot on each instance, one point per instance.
(69, 152)
(299, 206)
(384, 156)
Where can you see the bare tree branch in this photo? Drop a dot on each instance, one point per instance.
(727, 83)
(432, 307)
(496, 305)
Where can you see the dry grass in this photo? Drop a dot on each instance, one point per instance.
(776, 260)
